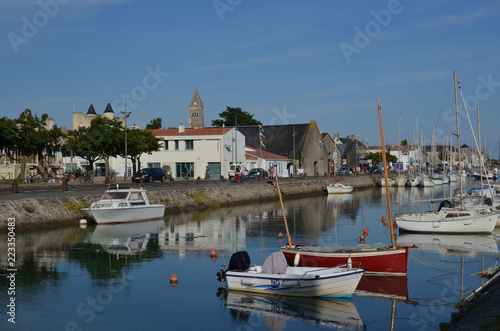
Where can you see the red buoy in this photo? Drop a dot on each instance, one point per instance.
(173, 279)
(213, 252)
(280, 235)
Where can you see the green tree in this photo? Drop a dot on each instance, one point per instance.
(235, 116)
(28, 138)
(104, 138)
(377, 157)
(78, 143)
(404, 142)
(138, 143)
(154, 124)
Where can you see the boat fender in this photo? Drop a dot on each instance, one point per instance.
(349, 262)
(296, 260)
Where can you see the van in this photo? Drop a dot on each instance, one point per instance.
(232, 169)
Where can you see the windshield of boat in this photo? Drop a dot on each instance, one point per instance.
(115, 195)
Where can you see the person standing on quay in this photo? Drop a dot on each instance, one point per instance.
(245, 176)
(237, 174)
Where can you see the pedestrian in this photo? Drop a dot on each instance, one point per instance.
(207, 174)
(245, 176)
(186, 172)
(237, 174)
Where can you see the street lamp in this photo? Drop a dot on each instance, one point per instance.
(126, 114)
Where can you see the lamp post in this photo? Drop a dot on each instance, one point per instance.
(126, 114)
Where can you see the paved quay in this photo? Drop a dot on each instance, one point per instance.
(44, 205)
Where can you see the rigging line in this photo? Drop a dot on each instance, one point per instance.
(444, 100)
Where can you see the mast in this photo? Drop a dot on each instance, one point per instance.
(389, 208)
(458, 139)
(480, 153)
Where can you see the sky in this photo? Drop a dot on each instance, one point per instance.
(282, 61)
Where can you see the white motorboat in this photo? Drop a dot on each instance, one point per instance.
(453, 177)
(400, 181)
(381, 182)
(276, 277)
(338, 188)
(122, 205)
(413, 181)
(426, 182)
(449, 219)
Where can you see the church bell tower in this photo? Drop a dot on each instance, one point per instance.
(196, 119)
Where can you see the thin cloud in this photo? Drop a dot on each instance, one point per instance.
(453, 19)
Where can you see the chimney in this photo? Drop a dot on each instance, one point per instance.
(181, 128)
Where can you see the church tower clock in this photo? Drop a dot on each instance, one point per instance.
(196, 119)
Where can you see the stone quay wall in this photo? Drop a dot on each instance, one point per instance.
(46, 212)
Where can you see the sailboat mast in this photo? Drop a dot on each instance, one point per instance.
(480, 153)
(389, 208)
(458, 139)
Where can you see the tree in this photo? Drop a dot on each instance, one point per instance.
(377, 157)
(404, 142)
(78, 142)
(104, 138)
(138, 143)
(235, 116)
(154, 124)
(28, 137)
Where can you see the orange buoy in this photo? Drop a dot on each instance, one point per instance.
(365, 230)
(213, 252)
(174, 279)
(384, 219)
(280, 235)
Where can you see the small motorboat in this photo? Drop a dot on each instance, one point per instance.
(338, 188)
(122, 205)
(274, 276)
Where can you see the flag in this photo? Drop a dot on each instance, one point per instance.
(261, 136)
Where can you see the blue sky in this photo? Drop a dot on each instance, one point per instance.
(283, 61)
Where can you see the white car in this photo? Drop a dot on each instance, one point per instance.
(232, 169)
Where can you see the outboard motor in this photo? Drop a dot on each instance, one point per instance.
(445, 204)
(240, 261)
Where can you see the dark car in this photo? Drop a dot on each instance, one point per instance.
(343, 171)
(149, 175)
(256, 172)
(375, 170)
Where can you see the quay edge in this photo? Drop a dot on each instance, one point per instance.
(51, 211)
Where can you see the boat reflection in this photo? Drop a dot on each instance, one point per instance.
(276, 311)
(126, 238)
(384, 287)
(451, 245)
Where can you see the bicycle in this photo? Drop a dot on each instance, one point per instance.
(86, 178)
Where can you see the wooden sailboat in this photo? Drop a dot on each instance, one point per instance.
(376, 259)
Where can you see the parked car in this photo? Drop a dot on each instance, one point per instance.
(375, 170)
(343, 171)
(149, 175)
(256, 172)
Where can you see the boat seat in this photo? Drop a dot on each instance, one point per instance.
(275, 264)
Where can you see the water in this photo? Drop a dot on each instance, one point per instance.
(117, 277)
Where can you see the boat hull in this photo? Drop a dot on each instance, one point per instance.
(339, 189)
(434, 223)
(125, 215)
(385, 261)
(298, 281)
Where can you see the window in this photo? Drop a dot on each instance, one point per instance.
(189, 144)
(166, 144)
(176, 143)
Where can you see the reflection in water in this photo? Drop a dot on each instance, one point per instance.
(124, 239)
(277, 311)
(450, 244)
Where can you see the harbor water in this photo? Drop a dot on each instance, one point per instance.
(118, 277)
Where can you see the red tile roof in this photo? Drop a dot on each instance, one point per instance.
(190, 132)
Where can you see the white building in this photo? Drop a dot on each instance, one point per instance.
(197, 150)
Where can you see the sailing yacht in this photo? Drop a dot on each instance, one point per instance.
(450, 217)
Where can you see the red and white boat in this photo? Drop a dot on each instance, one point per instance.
(375, 259)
